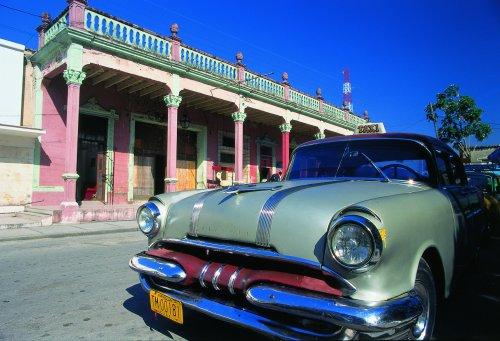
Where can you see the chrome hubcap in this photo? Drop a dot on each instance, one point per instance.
(420, 327)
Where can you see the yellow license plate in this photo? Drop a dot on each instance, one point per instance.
(166, 306)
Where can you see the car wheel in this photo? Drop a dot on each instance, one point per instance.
(426, 291)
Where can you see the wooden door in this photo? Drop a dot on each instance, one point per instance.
(143, 177)
(186, 175)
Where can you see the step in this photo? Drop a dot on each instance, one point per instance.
(24, 219)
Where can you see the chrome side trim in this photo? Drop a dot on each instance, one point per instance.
(150, 266)
(267, 212)
(232, 279)
(345, 285)
(216, 276)
(195, 215)
(357, 315)
(203, 271)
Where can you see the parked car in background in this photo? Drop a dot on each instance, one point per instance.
(489, 183)
(361, 239)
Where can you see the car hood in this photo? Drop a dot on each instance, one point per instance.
(290, 216)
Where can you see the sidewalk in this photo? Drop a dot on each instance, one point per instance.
(59, 231)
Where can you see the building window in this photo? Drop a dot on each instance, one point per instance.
(226, 158)
(227, 141)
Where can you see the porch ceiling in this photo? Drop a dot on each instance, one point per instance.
(125, 83)
(213, 105)
(140, 87)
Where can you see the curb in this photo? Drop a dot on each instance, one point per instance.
(69, 234)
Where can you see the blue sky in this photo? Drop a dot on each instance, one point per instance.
(400, 53)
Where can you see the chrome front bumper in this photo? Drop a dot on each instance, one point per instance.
(347, 313)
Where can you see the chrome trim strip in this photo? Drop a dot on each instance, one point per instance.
(345, 285)
(203, 271)
(267, 212)
(232, 279)
(195, 215)
(237, 316)
(216, 276)
(150, 266)
(357, 315)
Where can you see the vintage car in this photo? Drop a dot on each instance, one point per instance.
(361, 239)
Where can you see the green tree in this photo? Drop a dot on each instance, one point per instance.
(459, 120)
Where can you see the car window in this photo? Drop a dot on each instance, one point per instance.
(394, 159)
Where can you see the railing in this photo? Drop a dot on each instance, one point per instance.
(120, 31)
(334, 112)
(125, 33)
(56, 27)
(263, 84)
(207, 63)
(304, 100)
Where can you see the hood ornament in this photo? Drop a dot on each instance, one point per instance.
(236, 189)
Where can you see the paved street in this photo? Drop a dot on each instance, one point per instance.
(80, 287)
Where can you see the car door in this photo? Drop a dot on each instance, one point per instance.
(463, 199)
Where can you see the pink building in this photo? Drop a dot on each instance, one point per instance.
(129, 113)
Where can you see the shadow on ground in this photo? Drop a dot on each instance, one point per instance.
(473, 310)
(195, 327)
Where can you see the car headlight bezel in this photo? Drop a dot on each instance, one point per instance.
(154, 212)
(367, 227)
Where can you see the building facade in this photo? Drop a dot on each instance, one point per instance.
(129, 113)
(16, 141)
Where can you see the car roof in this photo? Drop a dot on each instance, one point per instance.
(428, 141)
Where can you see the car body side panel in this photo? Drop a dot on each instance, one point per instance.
(413, 223)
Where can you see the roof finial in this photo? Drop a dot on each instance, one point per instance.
(284, 78)
(174, 29)
(239, 58)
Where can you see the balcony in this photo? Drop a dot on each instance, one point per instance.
(234, 76)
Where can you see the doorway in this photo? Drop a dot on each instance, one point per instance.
(149, 160)
(266, 162)
(187, 158)
(92, 158)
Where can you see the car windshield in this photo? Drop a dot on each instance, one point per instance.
(367, 159)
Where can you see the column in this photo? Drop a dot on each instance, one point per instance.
(319, 97)
(172, 102)
(176, 42)
(76, 13)
(240, 68)
(286, 86)
(74, 79)
(238, 118)
(320, 134)
(42, 28)
(285, 129)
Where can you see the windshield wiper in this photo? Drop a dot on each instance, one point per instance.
(386, 178)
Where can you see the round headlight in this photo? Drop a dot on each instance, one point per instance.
(351, 245)
(148, 219)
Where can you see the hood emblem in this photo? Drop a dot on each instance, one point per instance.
(249, 188)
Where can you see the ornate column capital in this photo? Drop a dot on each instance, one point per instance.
(285, 127)
(73, 76)
(319, 135)
(172, 100)
(239, 116)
